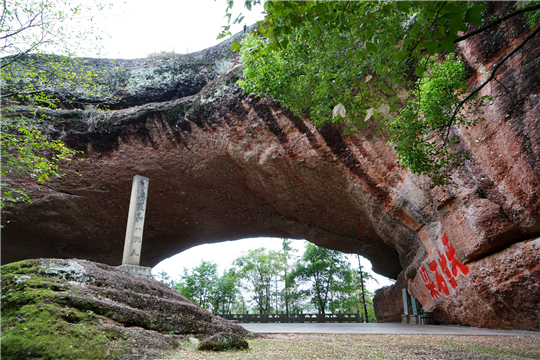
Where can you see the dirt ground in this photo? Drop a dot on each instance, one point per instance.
(345, 346)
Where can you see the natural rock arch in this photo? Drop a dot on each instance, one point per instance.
(224, 165)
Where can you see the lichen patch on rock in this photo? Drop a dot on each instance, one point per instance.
(74, 309)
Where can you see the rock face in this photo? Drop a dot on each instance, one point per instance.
(388, 301)
(64, 309)
(225, 165)
(222, 342)
(499, 291)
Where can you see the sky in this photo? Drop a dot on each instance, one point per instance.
(141, 27)
(138, 28)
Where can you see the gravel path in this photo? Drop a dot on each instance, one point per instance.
(346, 346)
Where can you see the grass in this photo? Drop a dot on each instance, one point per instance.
(344, 346)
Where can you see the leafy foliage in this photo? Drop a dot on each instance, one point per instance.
(198, 284)
(259, 270)
(421, 133)
(226, 292)
(29, 29)
(362, 63)
(23, 149)
(327, 272)
(291, 296)
(49, 26)
(365, 298)
(205, 287)
(320, 279)
(237, 20)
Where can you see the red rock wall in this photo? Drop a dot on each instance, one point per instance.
(492, 218)
(500, 291)
(388, 301)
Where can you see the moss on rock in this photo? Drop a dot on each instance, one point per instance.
(222, 342)
(72, 309)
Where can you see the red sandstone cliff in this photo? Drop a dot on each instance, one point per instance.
(224, 165)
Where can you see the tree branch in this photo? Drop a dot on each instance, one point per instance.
(507, 91)
(491, 77)
(15, 93)
(423, 36)
(14, 59)
(498, 21)
(24, 27)
(4, 10)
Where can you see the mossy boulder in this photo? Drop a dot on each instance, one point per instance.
(75, 309)
(222, 342)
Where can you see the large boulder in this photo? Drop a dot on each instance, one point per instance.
(76, 309)
(225, 165)
(222, 342)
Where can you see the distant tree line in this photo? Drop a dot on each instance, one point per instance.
(270, 282)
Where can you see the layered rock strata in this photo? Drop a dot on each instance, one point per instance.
(225, 165)
(76, 309)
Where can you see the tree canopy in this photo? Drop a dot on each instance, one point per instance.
(278, 281)
(204, 286)
(392, 64)
(326, 271)
(260, 270)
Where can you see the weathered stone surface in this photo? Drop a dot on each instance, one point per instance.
(223, 341)
(224, 165)
(211, 181)
(125, 83)
(500, 291)
(388, 301)
(76, 309)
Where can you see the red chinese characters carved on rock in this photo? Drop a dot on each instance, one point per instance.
(430, 286)
(444, 260)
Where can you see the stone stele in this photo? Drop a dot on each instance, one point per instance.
(135, 227)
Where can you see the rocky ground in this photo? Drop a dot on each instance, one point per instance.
(317, 346)
(76, 309)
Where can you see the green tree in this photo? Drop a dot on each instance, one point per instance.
(202, 285)
(361, 63)
(291, 297)
(362, 277)
(30, 30)
(294, 298)
(342, 295)
(199, 284)
(225, 293)
(165, 278)
(360, 300)
(326, 272)
(259, 270)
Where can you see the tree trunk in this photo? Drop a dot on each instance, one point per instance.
(363, 293)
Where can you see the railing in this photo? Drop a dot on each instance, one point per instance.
(294, 318)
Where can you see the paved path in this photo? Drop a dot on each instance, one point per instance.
(383, 328)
